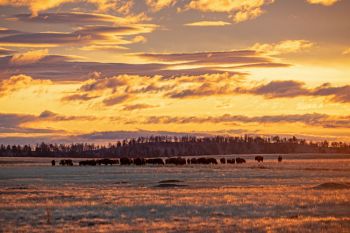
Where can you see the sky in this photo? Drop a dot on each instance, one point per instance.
(102, 70)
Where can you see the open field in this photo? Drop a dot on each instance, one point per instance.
(309, 193)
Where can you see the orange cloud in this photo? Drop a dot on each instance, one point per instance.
(208, 23)
(29, 57)
(37, 6)
(346, 51)
(323, 2)
(239, 10)
(282, 47)
(157, 5)
(18, 82)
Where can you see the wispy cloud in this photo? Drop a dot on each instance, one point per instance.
(323, 2)
(207, 24)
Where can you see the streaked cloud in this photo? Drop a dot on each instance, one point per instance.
(208, 24)
(67, 68)
(86, 35)
(290, 89)
(133, 107)
(79, 18)
(116, 99)
(313, 119)
(36, 6)
(5, 51)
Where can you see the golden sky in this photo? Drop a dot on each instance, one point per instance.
(101, 70)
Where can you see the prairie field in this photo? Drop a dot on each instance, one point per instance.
(303, 193)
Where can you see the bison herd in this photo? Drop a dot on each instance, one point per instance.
(158, 161)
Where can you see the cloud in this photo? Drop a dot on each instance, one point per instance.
(277, 89)
(323, 2)
(204, 90)
(239, 11)
(36, 6)
(79, 18)
(29, 57)
(12, 123)
(4, 51)
(16, 123)
(225, 57)
(313, 119)
(68, 68)
(116, 99)
(157, 5)
(137, 107)
(283, 47)
(18, 82)
(290, 89)
(208, 24)
(86, 35)
(51, 116)
(7, 31)
(346, 51)
(119, 89)
(78, 97)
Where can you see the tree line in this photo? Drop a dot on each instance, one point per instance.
(165, 146)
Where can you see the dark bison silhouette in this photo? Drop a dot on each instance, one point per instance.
(176, 161)
(193, 160)
(125, 161)
(156, 161)
(66, 162)
(206, 161)
(231, 161)
(259, 158)
(240, 160)
(223, 160)
(87, 163)
(139, 161)
(53, 163)
(106, 162)
(279, 158)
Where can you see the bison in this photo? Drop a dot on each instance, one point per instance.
(125, 161)
(279, 159)
(207, 161)
(240, 160)
(106, 162)
(259, 158)
(176, 161)
(194, 161)
(87, 163)
(53, 163)
(231, 161)
(156, 161)
(223, 160)
(139, 161)
(66, 162)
